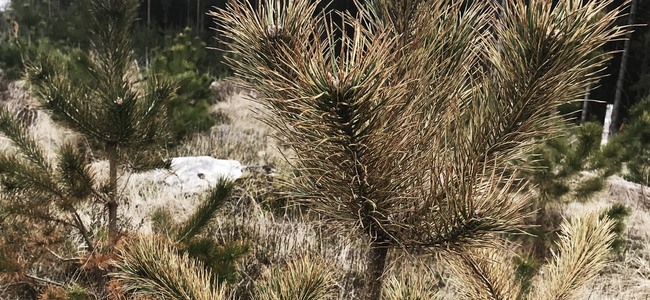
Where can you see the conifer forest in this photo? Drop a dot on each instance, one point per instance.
(334, 150)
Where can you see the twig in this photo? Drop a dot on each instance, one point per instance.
(48, 281)
(59, 257)
(84, 232)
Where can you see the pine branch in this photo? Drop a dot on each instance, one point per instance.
(204, 213)
(541, 59)
(68, 104)
(110, 23)
(487, 274)
(152, 110)
(583, 249)
(285, 29)
(412, 137)
(397, 15)
(75, 173)
(20, 177)
(464, 211)
(19, 136)
(83, 230)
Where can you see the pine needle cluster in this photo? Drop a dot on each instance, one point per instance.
(152, 266)
(582, 250)
(410, 285)
(302, 279)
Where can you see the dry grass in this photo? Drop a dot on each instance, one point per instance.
(277, 238)
(242, 137)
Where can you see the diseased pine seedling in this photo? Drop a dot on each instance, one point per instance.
(411, 119)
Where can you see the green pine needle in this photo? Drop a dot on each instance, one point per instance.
(20, 137)
(74, 172)
(205, 211)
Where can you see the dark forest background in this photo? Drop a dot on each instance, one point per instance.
(61, 22)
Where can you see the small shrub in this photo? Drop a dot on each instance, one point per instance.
(588, 187)
(162, 221)
(11, 59)
(151, 266)
(610, 157)
(618, 213)
(221, 259)
(77, 292)
(632, 143)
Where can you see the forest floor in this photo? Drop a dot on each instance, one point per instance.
(278, 235)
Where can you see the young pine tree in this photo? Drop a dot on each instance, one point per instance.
(106, 105)
(408, 119)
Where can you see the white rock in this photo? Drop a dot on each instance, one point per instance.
(197, 173)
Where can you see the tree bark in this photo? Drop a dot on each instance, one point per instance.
(621, 73)
(84, 232)
(198, 16)
(585, 106)
(376, 264)
(112, 197)
(644, 64)
(606, 125)
(146, 50)
(187, 22)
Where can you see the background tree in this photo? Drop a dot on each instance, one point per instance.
(406, 119)
(179, 62)
(622, 72)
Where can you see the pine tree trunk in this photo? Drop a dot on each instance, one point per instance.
(621, 73)
(112, 202)
(376, 264)
(147, 43)
(187, 22)
(198, 16)
(585, 106)
(644, 64)
(606, 125)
